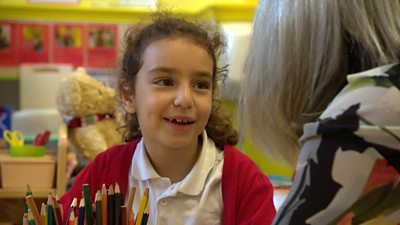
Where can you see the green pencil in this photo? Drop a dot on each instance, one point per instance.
(88, 210)
(50, 213)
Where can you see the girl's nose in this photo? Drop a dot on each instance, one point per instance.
(184, 97)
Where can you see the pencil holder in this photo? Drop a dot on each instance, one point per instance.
(27, 151)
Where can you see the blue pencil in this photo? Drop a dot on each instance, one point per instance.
(81, 215)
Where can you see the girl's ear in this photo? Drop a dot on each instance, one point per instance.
(128, 99)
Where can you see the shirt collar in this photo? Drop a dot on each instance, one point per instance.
(141, 165)
(194, 182)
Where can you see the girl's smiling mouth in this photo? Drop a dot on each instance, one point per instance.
(180, 121)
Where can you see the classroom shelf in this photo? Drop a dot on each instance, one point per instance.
(60, 183)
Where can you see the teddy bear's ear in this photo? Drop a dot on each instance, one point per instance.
(67, 98)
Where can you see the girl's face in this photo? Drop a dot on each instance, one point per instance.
(173, 93)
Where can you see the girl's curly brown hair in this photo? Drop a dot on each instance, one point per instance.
(219, 127)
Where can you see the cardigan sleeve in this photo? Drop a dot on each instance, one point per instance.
(256, 198)
(247, 192)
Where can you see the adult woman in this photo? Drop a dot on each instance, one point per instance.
(305, 81)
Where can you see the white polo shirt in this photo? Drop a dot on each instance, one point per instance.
(197, 199)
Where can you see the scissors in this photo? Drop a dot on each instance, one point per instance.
(41, 139)
(14, 138)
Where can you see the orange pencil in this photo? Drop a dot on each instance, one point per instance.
(131, 218)
(33, 209)
(104, 205)
(71, 220)
(72, 207)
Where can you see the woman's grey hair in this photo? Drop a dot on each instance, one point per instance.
(300, 53)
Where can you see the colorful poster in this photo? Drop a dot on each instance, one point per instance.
(102, 50)
(34, 42)
(8, 44)
(69, 44)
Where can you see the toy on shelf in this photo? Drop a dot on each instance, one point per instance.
(87, 107)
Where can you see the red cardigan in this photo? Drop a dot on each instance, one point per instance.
(247, 193)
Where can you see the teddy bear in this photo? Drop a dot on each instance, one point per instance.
(88, 108)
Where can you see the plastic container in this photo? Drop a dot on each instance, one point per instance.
(27, 151)
(17, 172)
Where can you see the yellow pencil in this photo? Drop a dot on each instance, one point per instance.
(143, 203)
(43, 214)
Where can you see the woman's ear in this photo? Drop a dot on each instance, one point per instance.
(128, 99)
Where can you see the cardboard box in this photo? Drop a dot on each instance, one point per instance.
(17, 172)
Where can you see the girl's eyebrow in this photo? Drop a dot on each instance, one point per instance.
(163, 69)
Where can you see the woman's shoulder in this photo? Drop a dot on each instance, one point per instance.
(368, 90)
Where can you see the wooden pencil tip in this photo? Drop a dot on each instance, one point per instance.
(117, 190)
(82, 203)
(97, 196)
(74, 203)
(111, 190)
(50, 200)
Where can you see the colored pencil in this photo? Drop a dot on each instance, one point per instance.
(131, 218)
(33, 209)
(142, 206)
(43, 214)
(145, 215)
(110, 205)
(72, 208)
(88, 208)
(25, 219)
(71, 218)
(129, 202)
(124, 219)
(97, 199)
(57, 211)
(27, 193)
(104, 204)
(81, 212)
(31, 218)
(50, 211)
(118, 203)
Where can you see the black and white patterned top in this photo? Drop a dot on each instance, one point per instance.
(348, 168)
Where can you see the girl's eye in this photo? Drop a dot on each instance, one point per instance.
(164, 82)
(202, 85)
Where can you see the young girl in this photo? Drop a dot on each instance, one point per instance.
(179, 143)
